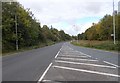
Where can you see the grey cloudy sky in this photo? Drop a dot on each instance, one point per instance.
(64, 14)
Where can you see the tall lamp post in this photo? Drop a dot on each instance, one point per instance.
(114, 23)
(76, 27)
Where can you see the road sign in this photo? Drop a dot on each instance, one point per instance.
(112, 34)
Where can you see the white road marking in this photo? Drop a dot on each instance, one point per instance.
(44, 73)
(84, 64)
(58, 52)
(48, 67)
(85, 54)
(72, 56)
(111, 64)
(87, 71)
(76, 59)
(46, 81)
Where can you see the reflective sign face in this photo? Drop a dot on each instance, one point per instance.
(112, 34)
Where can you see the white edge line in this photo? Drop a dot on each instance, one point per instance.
(85, 64)
(111, 63)
(44, 73)
(88, 71)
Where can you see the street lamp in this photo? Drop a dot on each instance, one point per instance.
(114, 23)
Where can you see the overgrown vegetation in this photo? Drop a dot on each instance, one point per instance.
(30, 33)
(99, 34)
(105, 45)
(102, 30)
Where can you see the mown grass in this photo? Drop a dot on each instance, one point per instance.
(103, 45)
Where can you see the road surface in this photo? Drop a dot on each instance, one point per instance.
(29, 65)
(61, 62)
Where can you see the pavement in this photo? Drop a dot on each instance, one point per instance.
(72, 65)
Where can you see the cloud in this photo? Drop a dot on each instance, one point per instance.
(63, 14)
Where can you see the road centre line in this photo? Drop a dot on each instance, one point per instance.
(87, 71)
(45, 73)
(84, 64)
(76, 59)
(48, 67)
(58, 52)
(111, 64)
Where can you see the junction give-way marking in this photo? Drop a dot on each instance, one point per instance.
(84, 64)
(87, 71)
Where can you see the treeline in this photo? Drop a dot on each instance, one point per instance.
(102, 30)
(29, 30)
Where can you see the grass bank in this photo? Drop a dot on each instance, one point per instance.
(103, 45)
(28, 48)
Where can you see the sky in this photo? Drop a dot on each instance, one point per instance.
(72, 16)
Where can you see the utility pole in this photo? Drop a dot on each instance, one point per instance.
(16, 32)
(114, 23)
(77, 39)
(74, 26)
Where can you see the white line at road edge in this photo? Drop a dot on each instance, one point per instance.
(111, 64)
(85, 64)
(87, 71)
(48, 68)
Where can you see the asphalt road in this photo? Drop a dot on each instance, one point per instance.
(29, 65)
(74, 63)
(61, 62)
(111, 57)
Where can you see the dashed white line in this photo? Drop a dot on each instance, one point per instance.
(87, 71)
(111, 64)
(76, 59)
(84, 64)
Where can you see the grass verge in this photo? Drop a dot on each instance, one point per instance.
(103, 45)
(28, 48)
